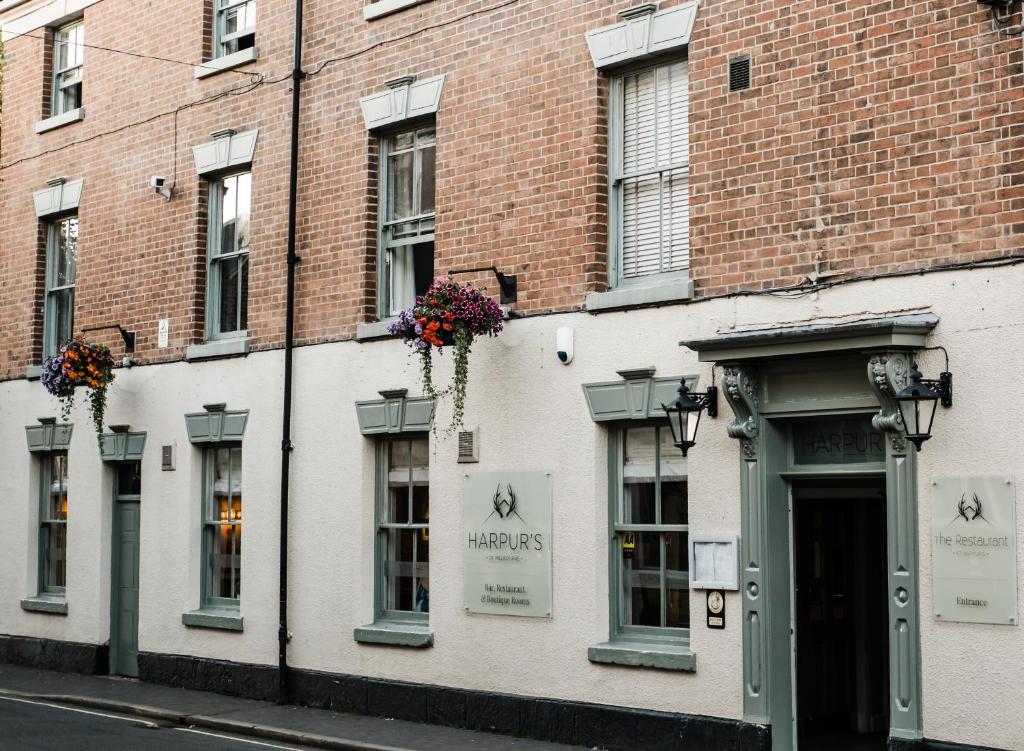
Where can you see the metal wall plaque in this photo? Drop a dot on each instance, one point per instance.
(974, 550)
(507, 543)
(716, 608)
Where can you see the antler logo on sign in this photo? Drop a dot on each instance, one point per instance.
(507, 518)
(969, 510)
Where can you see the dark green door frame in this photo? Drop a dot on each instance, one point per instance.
(124, 580)
(752, 389)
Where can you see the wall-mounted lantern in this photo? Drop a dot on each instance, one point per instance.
(917, 403)
(684, 414)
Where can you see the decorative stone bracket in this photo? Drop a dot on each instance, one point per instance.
(740, 387)
(888, 374)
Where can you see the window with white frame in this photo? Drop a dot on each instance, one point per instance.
(234, 26)
(650, 591)
(68, 54)
(650, 173)
(61, 260)
(222, 525)
(53, 518)
(407, 216)
(403, 528)
(227, 298)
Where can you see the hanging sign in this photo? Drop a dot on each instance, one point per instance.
(974, 550)
(507, 543)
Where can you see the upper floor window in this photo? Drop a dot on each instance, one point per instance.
(228, 278)
(68, 53)
(650, 524)
(61, 258)
(234, 26)
(407, 220)
(649, 166)
(53, 518)
(222, 525)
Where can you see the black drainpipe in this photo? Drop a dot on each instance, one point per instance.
(289, 343)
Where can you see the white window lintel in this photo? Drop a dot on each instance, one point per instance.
(643, 33)
(403, 99)
(59, 196)
(227, 149)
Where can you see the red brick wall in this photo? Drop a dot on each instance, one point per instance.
(874, 137)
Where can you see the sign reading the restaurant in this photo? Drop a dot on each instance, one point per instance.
(974, 550)
(848, 441)
(507, 539)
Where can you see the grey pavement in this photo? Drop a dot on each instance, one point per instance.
(274, 723)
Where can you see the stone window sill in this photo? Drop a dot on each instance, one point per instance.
(386, 7)
(59, 121)
(641, 654)
(228, 620)
(634, 296)
(34, 372)
(397, 634)
(53, 604)
(218, 348)
(227, 62)
(366, 332)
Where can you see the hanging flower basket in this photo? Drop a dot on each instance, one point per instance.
(448, 315)
(77, 363)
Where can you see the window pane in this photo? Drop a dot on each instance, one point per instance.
(129, 478)
(421, 504)
(427, 156)
(398, 502)
(638, 493)
(399, 570)
(642, 582)
(677, 580)
(421, 599)
(243, 205)
(227, 561)
(63, 312)
(400, 184)
(423, 267)
(673, 502)
(228, 204)
(56, 555)
(65, 252)
(234, 293)
(58, 503)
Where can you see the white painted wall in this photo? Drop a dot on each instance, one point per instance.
(532, 416)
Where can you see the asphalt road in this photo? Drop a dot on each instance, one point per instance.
(31, 726)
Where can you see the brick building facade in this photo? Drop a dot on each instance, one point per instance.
(870, 174)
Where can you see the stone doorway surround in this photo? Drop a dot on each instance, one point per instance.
(825, 370)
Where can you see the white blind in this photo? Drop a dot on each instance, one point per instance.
(653, 182)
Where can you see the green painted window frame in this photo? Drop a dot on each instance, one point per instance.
(210, 526)
(616, 157)
(388, 241)
(47, 522)
(67, 37)
(215, 260)
(619, 628)
(227, 43)
(382, 610)
(53, 334)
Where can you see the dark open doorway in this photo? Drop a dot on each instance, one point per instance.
(841, 614)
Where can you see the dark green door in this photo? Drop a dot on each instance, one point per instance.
(124, 615)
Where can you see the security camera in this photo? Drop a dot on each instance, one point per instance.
(159, 184)
(563, 344)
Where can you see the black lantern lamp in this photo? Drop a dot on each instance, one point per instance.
(684, 414)
(917, 403)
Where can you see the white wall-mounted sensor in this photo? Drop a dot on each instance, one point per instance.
(159, 184)
(563, 344)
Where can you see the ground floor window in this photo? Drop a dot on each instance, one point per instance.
(53, 519)
(403, 530)
(222, 525)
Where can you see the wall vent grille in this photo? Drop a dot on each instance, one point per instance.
(469, 446)
(739, 73)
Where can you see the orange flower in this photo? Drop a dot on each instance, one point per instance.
(447, 327)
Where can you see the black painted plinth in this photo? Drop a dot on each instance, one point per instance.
(51, 654)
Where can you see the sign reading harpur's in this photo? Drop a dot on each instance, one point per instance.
(507, 539)
(974, 550)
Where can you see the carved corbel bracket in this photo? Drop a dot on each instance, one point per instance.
(888, 374)
(741, 393)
